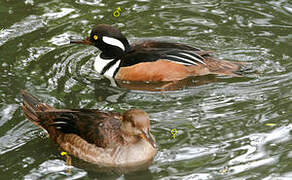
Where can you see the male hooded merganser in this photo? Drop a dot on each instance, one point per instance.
(107, 139)
(151, 60)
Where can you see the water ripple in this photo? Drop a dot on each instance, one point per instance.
(228, 128)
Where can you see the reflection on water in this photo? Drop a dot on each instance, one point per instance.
(228, 127)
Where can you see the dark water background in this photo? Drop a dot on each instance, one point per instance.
(230, 128)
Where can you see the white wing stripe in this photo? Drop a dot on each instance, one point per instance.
(183, 59)
(193, 57)
(113, 42)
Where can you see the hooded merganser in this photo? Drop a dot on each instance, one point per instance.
(107, 139)
(151, 60)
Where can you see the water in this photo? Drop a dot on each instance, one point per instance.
(228, 128)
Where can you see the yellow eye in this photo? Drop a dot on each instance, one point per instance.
(95, 37)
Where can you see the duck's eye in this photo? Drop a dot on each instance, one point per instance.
(95, 37)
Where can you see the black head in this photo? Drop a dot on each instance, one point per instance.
(108, 39)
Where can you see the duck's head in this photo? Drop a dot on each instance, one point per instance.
(137, 123)
(108, 39)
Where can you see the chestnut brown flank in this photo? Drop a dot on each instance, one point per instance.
(164, 70)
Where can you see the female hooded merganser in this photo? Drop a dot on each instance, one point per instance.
(106, 139)
(151, 61)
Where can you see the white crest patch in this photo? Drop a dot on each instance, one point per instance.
(113, 42)
(100, 64)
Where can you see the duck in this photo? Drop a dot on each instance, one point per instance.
(151, 61)
(103, 138)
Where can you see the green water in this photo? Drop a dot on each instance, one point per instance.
(228, 128)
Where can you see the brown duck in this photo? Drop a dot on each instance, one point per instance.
(107, 139)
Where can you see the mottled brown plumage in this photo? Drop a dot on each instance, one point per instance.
(107, 139)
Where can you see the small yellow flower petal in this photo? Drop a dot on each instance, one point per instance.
(63, 153)
(270, 124)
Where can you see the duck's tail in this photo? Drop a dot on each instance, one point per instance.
(32, 107)
(223, 67)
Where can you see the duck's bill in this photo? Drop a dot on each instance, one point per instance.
(148, 138)
(78, 41)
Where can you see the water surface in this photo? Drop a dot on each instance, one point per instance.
(228, 128)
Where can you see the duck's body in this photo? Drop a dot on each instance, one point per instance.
(151, 60)
(106, 139)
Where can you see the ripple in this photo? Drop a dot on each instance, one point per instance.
(7, 113)
(228, 128)
(27, 25)
(54, 169)
(90, 2)
(56, 15)
(15, 137)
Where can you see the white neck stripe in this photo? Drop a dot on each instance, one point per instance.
(100, 64)
(111, 71)
(113, 42)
